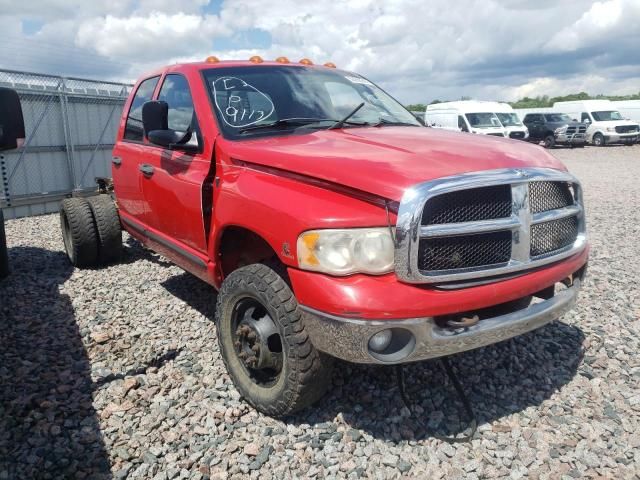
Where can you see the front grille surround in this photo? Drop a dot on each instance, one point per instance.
(557, 197)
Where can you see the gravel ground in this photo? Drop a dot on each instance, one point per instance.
(116, 373)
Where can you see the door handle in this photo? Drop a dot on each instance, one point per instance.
(146, 169)
(117, 161)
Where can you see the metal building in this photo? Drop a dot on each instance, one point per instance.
(71, 124)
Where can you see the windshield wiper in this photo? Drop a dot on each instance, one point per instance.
(284, 122)
(384, 121)
(295, 121)
(340, 123)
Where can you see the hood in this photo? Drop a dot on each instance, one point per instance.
(385, 161)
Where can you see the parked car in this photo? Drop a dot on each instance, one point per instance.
(511, 121)
(11, 136)
(605, 123)
(337, 227)
(555, 129)
(465, 116)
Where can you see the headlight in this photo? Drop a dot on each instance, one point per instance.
(345, 251)
(561, 129)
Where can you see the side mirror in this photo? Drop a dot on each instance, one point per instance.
(155, 121)
(11, 120)
(155, 116)
(587, 120)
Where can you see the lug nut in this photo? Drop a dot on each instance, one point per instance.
(251, 336)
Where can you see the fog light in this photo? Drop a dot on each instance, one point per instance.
(380, 340)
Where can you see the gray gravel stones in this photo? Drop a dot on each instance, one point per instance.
(115, 373)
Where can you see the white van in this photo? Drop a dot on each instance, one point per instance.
(605, 123)
(510, 121)
(465, 116)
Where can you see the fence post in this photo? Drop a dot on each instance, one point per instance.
(67, 134)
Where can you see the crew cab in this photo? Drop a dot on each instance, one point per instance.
(555, 129)
(331, 223)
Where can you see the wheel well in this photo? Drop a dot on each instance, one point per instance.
(240, 246)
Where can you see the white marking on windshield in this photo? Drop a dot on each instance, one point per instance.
(244, 104)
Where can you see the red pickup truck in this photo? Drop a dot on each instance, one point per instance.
(331, 222)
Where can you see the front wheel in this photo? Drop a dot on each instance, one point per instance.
(549, 141)
(598, 140)
(265, 348)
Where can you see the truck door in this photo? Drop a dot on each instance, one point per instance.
(129, 153)
(535, 125)
(172, 180)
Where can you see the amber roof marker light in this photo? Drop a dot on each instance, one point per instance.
(330, 65)
(212, 59)
(256, 59)
(306, 61)
(282, 60)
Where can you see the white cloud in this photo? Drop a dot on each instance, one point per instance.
(155, 37)
(416, 50)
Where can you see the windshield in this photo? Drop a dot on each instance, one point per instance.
(558, 117)
(509, 119)
(607, 116)
(483, 120)
(248, 99)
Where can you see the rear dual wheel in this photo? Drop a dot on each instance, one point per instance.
(266, 350)
(91, 231)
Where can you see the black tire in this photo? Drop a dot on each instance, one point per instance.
(105, 215)
(79, 232)
(4, 254)
(305, 372)
(549, 141)
(598, 140)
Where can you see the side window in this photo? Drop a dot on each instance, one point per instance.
(585, 117)
(175, 91)
(133, 129)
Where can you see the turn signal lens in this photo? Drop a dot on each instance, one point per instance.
(212, 59)
(330, 65)
(282, 60)
(306, 61)
(256, 59)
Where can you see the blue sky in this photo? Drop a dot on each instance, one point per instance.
(416, 50)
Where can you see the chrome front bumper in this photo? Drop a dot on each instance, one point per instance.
(348, 338)
(576, 138)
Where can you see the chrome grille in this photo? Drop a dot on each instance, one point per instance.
(469, 205)
(465, 251)
(488, 223)
(550, 237)
(545, 196)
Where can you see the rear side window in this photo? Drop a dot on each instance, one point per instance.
(175, 91)
(133, 130)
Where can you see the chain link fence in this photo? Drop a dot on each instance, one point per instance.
(71, 125)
